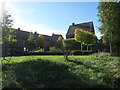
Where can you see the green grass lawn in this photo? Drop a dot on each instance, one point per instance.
(55, 72)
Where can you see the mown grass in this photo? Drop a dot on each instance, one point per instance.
(54, 72)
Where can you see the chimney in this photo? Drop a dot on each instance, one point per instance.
(18, 28)
(52, 34)
(35, 32)
(73, 24)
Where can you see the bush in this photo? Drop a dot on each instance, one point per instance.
(40, 50)
(102, 54)
(52, 49)
(44, 53)
(78, 52)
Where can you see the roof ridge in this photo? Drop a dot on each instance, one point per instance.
(85, 23)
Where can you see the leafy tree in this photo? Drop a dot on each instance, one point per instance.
(60, 44)
(90, 39)
(52, 49)
(41, 41)
(109, 16)
(7, 32)
(85, 37)
(69, 45)
(80, 36)
(31, 41)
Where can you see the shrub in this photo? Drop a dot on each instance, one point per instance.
(102, 54)
(52, 49)
(79, 52)
(40, 50)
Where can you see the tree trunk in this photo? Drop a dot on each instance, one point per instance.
(110, 48)
(91, 48)
(81, 46)
(87, 47)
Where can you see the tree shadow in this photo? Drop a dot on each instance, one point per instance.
(108, 78)
(41, 73)
(87, 66)
(44, 74)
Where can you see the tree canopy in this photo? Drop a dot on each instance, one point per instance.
(8, 36)
(109, 17)
(70, 44)
(41, 41)
(60, 43)
(85, 37)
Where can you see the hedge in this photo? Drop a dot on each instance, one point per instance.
(76, 52)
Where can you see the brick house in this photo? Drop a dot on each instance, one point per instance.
(22, 37)
(87, 26)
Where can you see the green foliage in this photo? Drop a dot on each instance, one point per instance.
(31, 41)
(85, 37)
(109, 16)
(41, 41)
(60, 44)
(40, 50)
(102, 54)
(80, 35)
(79, 52)
(71, 44)
(52, 49)
(31, 37)
(7, 32)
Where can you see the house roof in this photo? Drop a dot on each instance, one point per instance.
(46, 37)
(56, 36)
(87, 26)
(20, 34)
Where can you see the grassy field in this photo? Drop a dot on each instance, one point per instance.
(54, 72)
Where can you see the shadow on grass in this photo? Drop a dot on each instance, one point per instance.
(108, 76)
(87, 66)
(44, 74)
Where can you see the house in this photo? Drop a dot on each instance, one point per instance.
(55, 38)
(87, 26)
(22, 37)
(48, 42)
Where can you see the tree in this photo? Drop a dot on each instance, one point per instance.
(80, 36)
(90, 39)
(109, 17)
(85, 37)
(31, 41)
(7, 32)
(41, 41)
(69, 46)
(60, 44)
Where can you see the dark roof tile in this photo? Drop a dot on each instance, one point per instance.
(88, 26)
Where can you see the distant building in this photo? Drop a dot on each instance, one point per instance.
(55, 38)
(48, 42)
(22, 37)
(87, 26)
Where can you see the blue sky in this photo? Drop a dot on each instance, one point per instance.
(53, 17)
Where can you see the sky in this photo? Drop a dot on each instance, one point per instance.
(52, 17)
